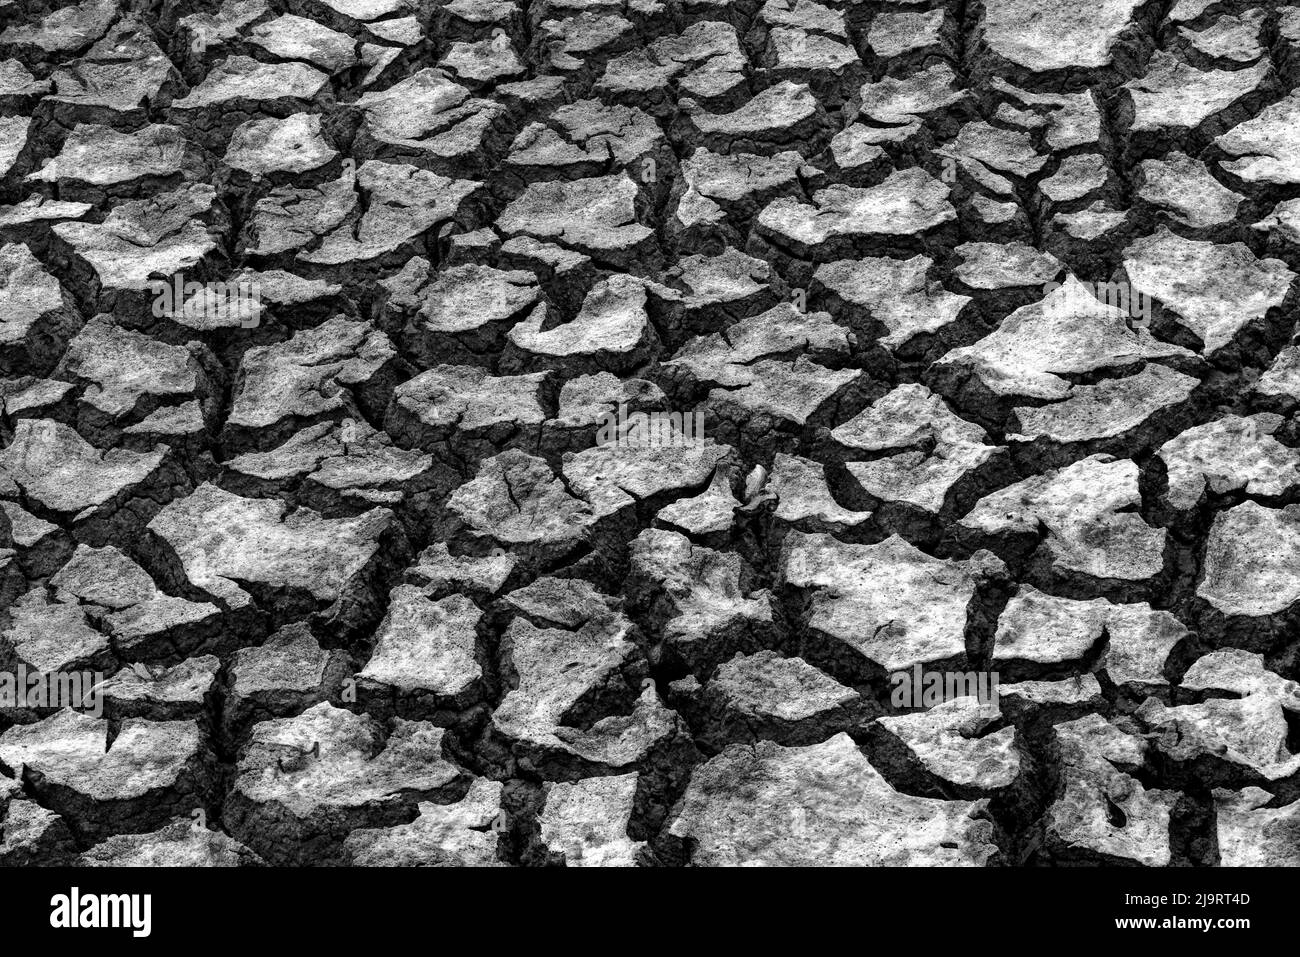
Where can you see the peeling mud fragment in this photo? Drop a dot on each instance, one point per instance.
(294, 38)
(333, 371)
(1233, 741)
(19, 89)
(1283, 224)
(50, 637)
(986, 152)
(1251, 834)
(143, 621)
(366, 11)
(42, 545)
(590, 136)
(766, 696)
(614, 478)
(724, 357)
(822, 804)
(142, 241)
(304, 783)
(339, 468)
(1229, 38)
(285, 676)
(462, 312)
(831, 67)
(1040, 629)
(66, 30)
(585, 823)
(903, 103)
(566, 274)
(482, 63)
(161, 693)
(425, 653)
(230, 18)
(1175, 96)
(715, 185)
(440, 573)
(428, 121)
(898, 34)
(120, 80)
(1116, 414)
(1266, 145)
(594, 216)
(1230, 289)
(267, 146)
(33, 836)
(580, 43)
(14, 152)
(289, 218)
(1185, 189)
(466, 411)
(63, 474)
(895, 293)
(1249, 567)
(1280, 383)
(1075, 521)
(921, 619)
(586, 403)
(1228, 454)
(517, 503)
(762, 376)
(612, 331)
(1071, 119)
(999, 266)
(125, 375)
(150, 773)
(459, 834)
(804, 498)
(184, 843)
(30, 220)
(907, 203)
(30, 397)
(1078, 176)
(782, 116)
(1101, 813)
(958, 742)
(98, 161)
(401, 204)
(564, 682)
(1077, 694)
(239, 88)
(722, 289)
(704, 61)
(1035, 350)
(228, 545)
(705, 603)
(1041, 634)
(1141, 644)
(708, 517)
(1056, 35)
(933, 449)
(36, 318)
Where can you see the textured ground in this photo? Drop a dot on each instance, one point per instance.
(369, 591)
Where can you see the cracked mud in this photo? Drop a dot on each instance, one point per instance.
(327, 328)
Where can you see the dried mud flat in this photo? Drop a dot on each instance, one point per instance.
(312, 312)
